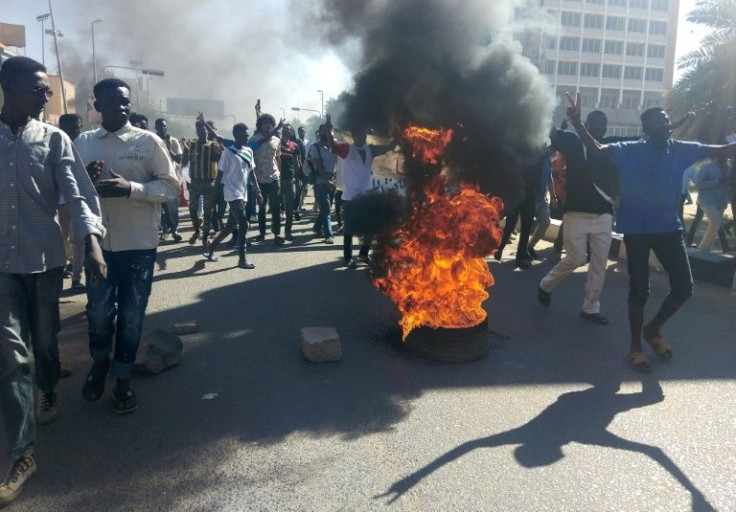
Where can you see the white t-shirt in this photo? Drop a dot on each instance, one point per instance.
(235, 169)
(356, 172)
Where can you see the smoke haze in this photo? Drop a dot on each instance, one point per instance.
(445, 63)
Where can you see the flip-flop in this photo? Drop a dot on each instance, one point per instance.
(639, 362)
(660, 346)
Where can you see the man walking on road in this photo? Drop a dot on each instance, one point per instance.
(650, 182)
(588, 220)
(37, 164)
(137, 177)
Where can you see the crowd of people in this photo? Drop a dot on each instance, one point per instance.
(100, 201)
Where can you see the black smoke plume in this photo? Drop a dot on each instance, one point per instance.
(447, 64)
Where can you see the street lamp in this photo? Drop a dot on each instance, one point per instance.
(58, 58)
(322, 109)
(94, 58)
(42, 18)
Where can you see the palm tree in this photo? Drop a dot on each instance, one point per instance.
(709, 81)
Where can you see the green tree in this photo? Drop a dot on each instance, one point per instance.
(708, 84)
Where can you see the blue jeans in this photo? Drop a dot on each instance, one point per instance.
(29, 316)
(324, 220)
(117, 306)
(671, 253)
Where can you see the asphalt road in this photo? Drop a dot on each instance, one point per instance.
(553, 420)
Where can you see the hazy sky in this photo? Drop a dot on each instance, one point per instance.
(232, 50)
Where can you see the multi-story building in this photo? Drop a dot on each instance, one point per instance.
(618, 53)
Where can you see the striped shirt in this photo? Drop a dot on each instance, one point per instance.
(203, 158)
(37, 165)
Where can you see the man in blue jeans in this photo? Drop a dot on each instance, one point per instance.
(650, 182)
(137, 177)
(37, 163)
(323, 161)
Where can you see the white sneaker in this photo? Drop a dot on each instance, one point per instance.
(21, 471)
(48, 409)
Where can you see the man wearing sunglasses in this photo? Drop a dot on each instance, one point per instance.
(37, 163)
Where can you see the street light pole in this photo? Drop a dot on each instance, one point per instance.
(58, 59)
(322, 109)
(42, 18)
(94, 57)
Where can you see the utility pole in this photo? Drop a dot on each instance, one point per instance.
(58, 60)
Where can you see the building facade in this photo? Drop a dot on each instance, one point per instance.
(620, 54)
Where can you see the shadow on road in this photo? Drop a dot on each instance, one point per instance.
(579, 417)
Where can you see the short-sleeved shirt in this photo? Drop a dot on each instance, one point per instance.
(289, 158)
(235, 165)
(265, 154)
(650, 181)
(319, 151)
(581, 193)
(203, 158)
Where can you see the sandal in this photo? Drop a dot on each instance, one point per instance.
(660, 346)
(124, 402)
(639, 362)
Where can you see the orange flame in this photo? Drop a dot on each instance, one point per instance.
(428, 144)
(438, 276)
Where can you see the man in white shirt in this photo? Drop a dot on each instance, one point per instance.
(137, 176)
(235, 169)
(355, 161)
(171, 207)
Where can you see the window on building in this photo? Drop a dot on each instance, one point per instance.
(567, 68)
(598, 2)
(592, 45)
(637, 25)
(654, 75)
(588, 100)
(635, 49)
(639, 4)
(660, 5)
(630, 101)
(658, 28)
(655, 51)
(652, 102)
(569, 44)
(611, 71)
(633, 72)
(618, 3)
(570, 19)
(589, 69)
(549, 67)
(593, 21)
(614, 47)
(615, 23)
(609, 100)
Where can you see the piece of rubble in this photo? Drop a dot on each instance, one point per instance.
(186, 327)
(320, 344)
(163, 350)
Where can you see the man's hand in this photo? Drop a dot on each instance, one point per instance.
(94, 170)
(117, 186)
(200, 117)
(94, 252)
(573, 111)
(259, 198)
(553, 202)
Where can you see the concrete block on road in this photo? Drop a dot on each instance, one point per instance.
(163, 350)
(320, 344)
(185, 327)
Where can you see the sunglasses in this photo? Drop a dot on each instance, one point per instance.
(46, 91)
